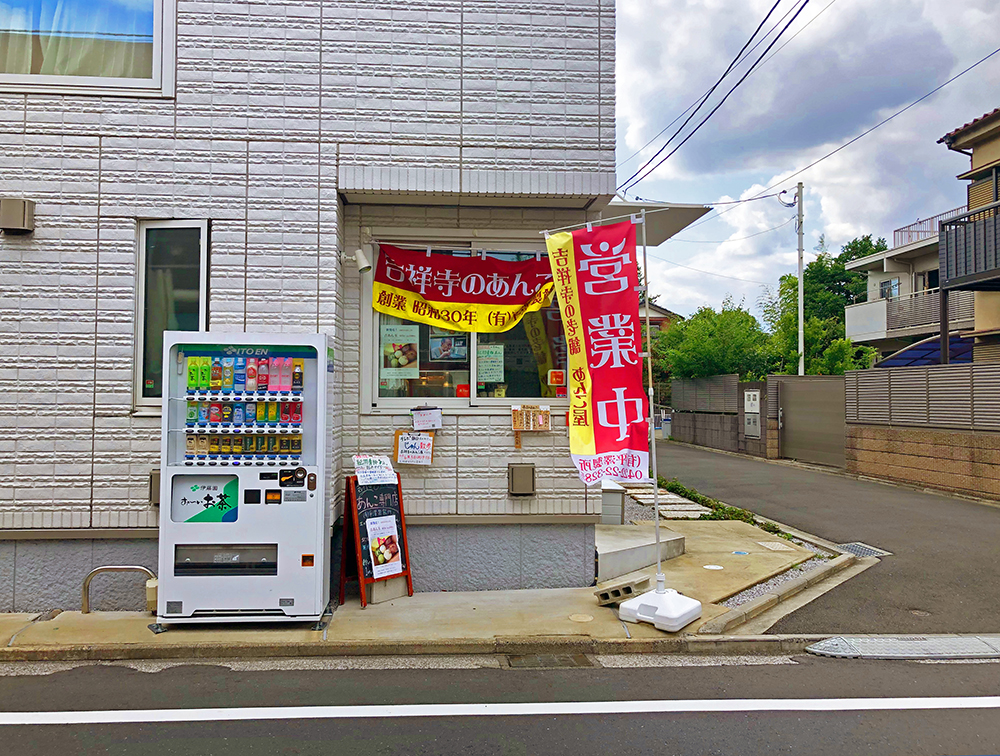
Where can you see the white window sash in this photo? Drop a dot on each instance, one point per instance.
(161, 84)
(146, 403)
(370, 319)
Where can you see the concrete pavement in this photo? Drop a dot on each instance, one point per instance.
(943, 576)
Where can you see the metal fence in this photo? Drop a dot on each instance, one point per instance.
(717, 393)
(923, 308)
(935, 396)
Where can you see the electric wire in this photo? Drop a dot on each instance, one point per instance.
(707, 272)
(694, 131)
(740, 238)
(735, 61)
(761, 195)
(749, 52)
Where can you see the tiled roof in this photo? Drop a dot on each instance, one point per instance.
(971, 123)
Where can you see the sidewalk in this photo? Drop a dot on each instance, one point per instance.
(527, 621)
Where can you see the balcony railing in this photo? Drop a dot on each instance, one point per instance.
(922, 229)
(969, 250)
(923, 308)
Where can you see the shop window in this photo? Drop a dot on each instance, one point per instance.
(527, 362)
(103, 46)
(172, 295)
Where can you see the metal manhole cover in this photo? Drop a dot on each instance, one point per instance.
(863, 549)
(775, 545)
(535, 661)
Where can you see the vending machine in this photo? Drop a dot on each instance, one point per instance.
(244, 511)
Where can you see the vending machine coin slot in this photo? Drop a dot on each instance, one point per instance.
(311, 485)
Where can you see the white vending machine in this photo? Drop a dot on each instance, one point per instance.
(244, 515)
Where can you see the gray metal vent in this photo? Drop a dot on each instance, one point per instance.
(863, 549)
(175, 607)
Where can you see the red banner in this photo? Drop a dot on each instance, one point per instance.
(596, 279)
(459, 293)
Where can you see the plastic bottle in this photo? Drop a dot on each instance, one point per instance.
(228, 368)
(251, 384)
(194, 373)
(240, 374)
(298, 374)
(286, 374)
(262, 375)
(216, 382)
(204, 373)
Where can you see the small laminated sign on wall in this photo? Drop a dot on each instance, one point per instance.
(413, 448)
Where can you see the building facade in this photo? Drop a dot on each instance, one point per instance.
(214, 167)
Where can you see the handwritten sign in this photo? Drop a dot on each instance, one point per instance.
(413, 448)
(373, 469)
(426, 419)
(489, 363)
(531, 417)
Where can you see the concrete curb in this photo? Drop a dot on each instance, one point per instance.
(745, 612)
(683, 644)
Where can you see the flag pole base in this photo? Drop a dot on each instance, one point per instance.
(664, 608)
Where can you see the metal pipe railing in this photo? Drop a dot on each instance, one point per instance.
(85, 598)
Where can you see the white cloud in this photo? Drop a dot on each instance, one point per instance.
(857, 64)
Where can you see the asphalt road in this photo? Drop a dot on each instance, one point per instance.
(943, 577)
(181, 688)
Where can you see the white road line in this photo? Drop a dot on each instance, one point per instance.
(495, 710)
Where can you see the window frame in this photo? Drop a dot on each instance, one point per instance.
(161, 84)
(142, 403)
(891, 284)
(372, 403)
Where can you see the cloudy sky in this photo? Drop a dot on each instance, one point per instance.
(858, 62)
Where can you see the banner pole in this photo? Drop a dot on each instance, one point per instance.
(660, 579)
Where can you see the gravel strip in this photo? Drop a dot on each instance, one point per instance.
(767, 586)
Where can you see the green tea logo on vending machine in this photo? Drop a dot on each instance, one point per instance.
(205, 498)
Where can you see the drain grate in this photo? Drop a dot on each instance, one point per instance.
(548, 661)
(863, 549)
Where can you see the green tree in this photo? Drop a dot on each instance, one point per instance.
(715, 343)
(828, 287)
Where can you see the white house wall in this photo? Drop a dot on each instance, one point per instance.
(279, 108)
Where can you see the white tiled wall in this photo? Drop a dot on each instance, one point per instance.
(279, 107)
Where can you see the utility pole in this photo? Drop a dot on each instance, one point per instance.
(802, 334)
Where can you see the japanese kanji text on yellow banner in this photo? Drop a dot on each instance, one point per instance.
(459, 293)
(596, 279)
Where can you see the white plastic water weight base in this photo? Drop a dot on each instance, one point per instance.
(665, 608)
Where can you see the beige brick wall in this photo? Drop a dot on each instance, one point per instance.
(960, 461)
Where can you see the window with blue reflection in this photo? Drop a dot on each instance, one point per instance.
(102, 38)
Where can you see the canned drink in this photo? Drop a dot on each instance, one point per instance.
(227, 413)
(215, 412)
(283, 445)
(237, 446)
(213, 445)
(226, 445)
(286, 412)
(238, 413)
(250, 413)
(192, 413)
(295, 445)
(261, 445)
(261, 413)
(190, 446)
(296, 413)
(272, 412)
(203, 410)
(298, 373)
(272, 445)
(202, 446)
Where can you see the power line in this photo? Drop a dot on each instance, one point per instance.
(749, 52)
(855, 139)
(706, 272)
(743, 78)
(741, 238)
(735, 61)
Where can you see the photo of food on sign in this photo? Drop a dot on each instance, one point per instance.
(385, 550)
(398, 355)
